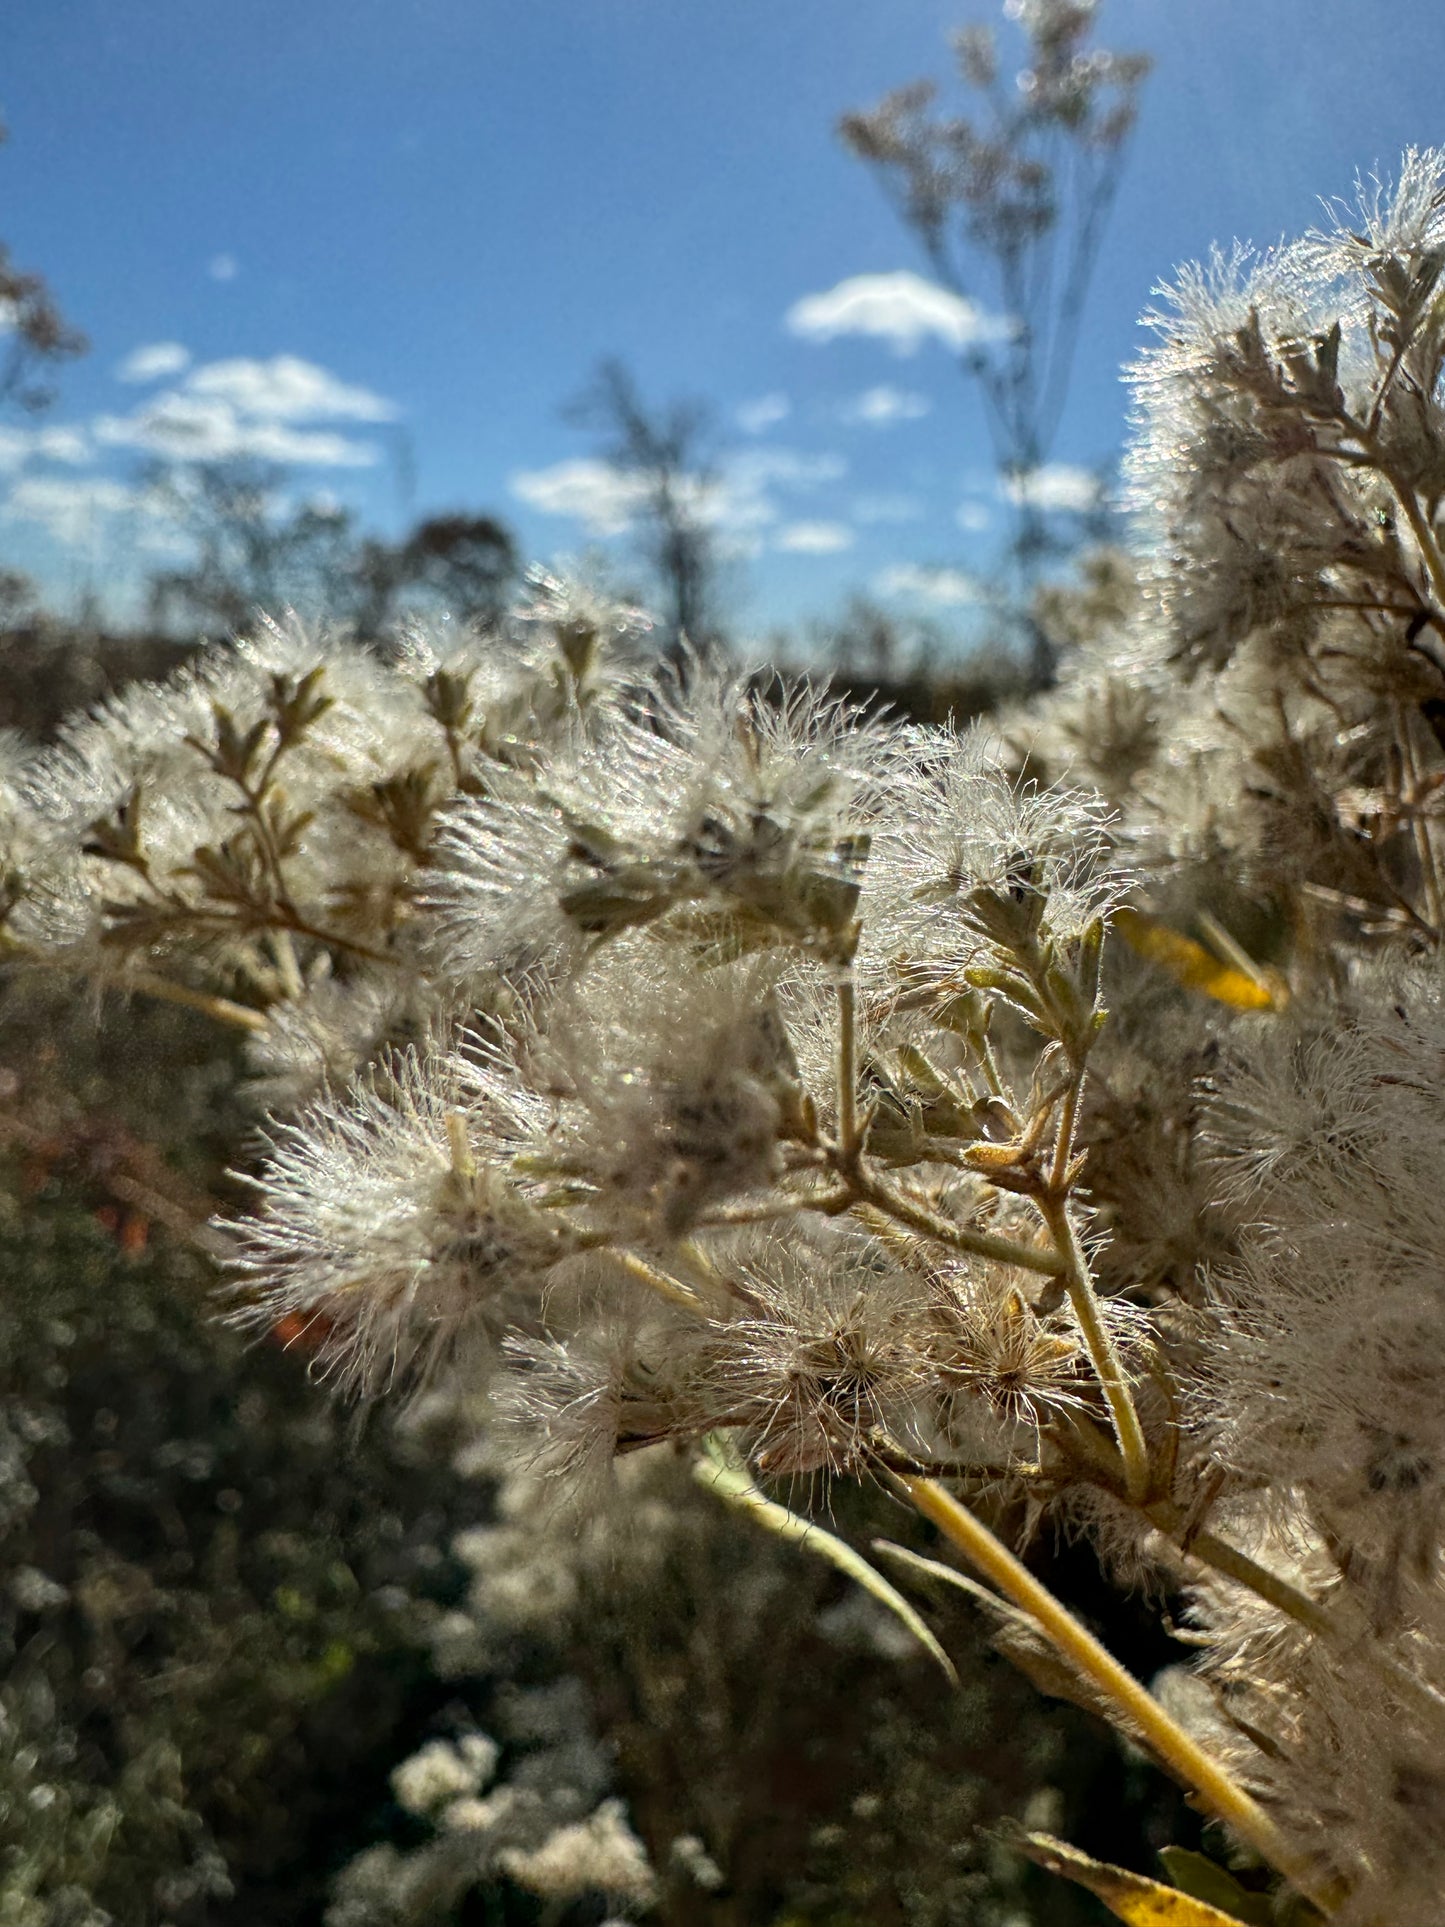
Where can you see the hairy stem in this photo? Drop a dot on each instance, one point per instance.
(1215, 1789)
(1064, 1142)
(1103, 1354)
(871, 1190)
(666, 1286)
(1208, 1549)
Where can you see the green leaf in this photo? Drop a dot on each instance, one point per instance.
(721, 1471)
(1193, 1874)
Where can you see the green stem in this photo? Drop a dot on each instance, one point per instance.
(1064, 1143)
(1099, 1342)
(870, 1190)
(1208, 1549)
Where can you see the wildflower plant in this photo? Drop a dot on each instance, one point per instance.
(701, 1062)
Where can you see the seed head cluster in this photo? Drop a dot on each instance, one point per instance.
(690, 1059)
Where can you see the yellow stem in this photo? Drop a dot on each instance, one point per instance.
(1215, 1788)
(284, 952)
(460, 1145)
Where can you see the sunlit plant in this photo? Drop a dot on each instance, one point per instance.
(700, 1062)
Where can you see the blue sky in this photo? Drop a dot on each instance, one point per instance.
(384, 241)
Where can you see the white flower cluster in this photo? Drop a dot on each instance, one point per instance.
(695, 1060)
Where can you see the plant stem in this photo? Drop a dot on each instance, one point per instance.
(1217, 1553)
(1224, 1798)
(849, 1137)
(664, 1285)
(333, 940)
(1423, 533)
(827, 1202)
(1420, 828)
(150, 984)
(284, 952)
(1208, 1549)
(1064, 1143)
(1100, 1345)
(870, 1190)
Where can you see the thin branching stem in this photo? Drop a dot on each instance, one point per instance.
(869, 1189)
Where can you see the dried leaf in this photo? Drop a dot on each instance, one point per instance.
(1130, 1896)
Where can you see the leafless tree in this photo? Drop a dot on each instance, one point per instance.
(33, 333)
(665, 450)
(250, 551)
(1009, 202)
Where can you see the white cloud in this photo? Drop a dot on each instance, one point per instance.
(602, 498)
(154, 362)
(743, 496)
(887, 508)
(223, 267)
(814, 538)
(950, 588)
(973, 517)
(1055, 486)
(287, 389)
(69, 445)
(754, 417)
(755, 467)
(69, 509)
(18, 445)
(241, 407)
(737, 500)
(194, 428)
(902, 309)
(881, 407)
